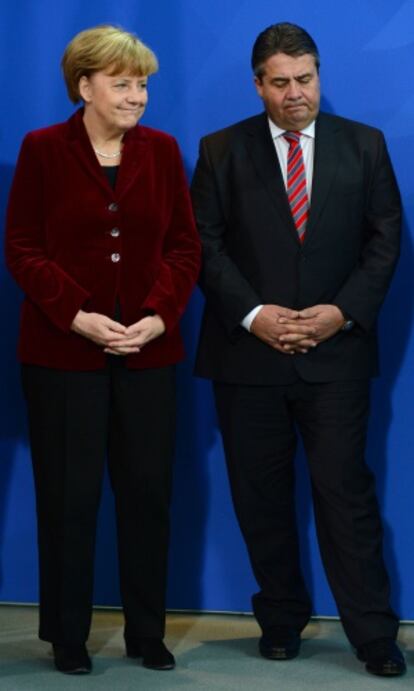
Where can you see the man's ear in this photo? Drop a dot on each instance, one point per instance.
(258, 84)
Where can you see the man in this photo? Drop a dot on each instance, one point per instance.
(299, 214)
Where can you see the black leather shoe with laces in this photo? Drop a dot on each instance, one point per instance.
(382, 657)
(153, 651)
(72, 659)
(280, 643)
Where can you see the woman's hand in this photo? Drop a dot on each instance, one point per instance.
(98, 328)
(137, 335)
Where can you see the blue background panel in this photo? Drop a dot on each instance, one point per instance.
(205, 83)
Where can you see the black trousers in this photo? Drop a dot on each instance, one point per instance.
(77, 420)
(259, 427)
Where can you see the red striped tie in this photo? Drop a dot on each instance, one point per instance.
(296, 183)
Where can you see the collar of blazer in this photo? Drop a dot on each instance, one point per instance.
(263, 154)
(136, 147)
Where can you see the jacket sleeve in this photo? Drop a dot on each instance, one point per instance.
(180, 261)
(363, 293)
(226, 289)
(42, 280)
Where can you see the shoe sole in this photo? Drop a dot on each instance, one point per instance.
(386, 672)
(163, 668)
(276, 655)
(76, 671)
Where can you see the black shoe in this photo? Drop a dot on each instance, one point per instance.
(72, 659)
(153, 652)
(280, 643)
(382, 657)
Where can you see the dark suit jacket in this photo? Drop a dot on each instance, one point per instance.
(252, 255)
(60, 249)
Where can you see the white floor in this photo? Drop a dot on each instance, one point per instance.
(213, 653)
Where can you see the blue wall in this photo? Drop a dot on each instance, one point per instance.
(205, 83)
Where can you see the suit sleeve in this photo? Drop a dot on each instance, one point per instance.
(42, 280)
(226, 289)
(180, 262)
(363, 293)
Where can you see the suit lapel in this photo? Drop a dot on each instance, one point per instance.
(324, 169)
(265, 160)
(82, 149)
(134, 155)
(262, 151)
(134, 159)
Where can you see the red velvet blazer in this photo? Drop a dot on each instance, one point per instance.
(74, 243)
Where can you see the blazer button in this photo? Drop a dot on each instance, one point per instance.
(115, 257)
(115, 232)
(113, 206)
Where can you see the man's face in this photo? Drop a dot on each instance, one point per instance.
(290, 90)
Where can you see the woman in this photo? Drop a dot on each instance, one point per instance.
(101, 238)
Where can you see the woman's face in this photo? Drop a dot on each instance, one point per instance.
(114, 103)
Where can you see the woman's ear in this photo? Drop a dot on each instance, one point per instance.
(84, 88)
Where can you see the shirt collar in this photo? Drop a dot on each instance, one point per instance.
(275, 131)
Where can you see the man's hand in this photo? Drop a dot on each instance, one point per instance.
(137, 336)
(98, 328)
(273, 323)
(325, 320)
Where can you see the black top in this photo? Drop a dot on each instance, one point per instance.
(111, 173)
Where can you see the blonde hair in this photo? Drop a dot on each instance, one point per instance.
(107, 48)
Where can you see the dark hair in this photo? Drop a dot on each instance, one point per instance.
(282, 38)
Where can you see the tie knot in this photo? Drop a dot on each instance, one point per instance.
(293, 137)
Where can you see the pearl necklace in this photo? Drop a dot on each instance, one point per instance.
(114, 155)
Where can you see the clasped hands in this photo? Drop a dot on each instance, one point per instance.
(296, 331)
(116, 338)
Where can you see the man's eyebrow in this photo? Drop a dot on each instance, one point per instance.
(287, 79)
